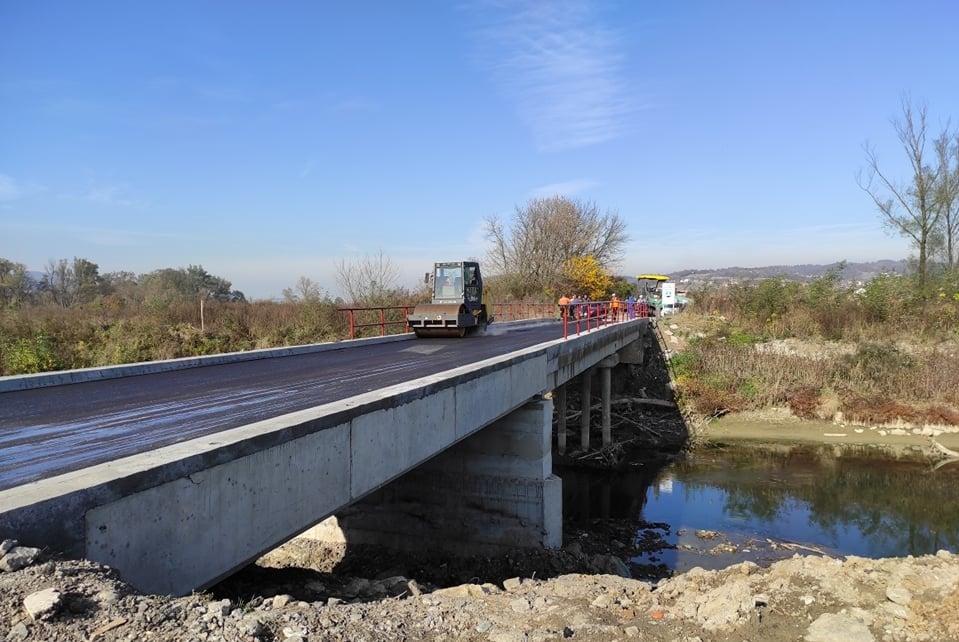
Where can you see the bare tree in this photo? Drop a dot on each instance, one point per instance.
(947, 193)
(545, 233)
(72, 282)
(370, 280)
(58, 282)
(305, 290)
(910, 208)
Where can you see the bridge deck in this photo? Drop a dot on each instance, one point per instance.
(49, 431)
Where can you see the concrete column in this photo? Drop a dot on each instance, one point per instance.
(491, 492)
(559, 396)
(606, 385)
(585, 396)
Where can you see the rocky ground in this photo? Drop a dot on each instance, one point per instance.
(813, 598)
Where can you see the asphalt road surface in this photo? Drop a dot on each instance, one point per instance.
(49, 431)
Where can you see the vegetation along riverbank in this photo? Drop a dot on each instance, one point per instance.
(878, 355)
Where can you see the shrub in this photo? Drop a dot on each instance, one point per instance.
(804, 402)
(28, 355)
(876, 361)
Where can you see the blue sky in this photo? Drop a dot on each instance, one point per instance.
(268, 140)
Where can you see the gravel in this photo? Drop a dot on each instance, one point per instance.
(856, 599)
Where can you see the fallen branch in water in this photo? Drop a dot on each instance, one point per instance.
(622, 401)
(945, 462)
(943, 449)
(792, 546)
(643, 401)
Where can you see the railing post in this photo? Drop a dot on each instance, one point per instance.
(382, 322)
(406, 318)
(349, 313)
(565, 325)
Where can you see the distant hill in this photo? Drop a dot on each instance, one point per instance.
(852, 273)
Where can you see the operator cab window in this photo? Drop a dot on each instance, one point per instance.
(448, 283)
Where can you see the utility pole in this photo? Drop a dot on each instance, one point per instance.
(203, 295)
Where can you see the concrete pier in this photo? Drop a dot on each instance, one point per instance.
(585, 400)
(492, 491)
(606, 387)
(559, 397)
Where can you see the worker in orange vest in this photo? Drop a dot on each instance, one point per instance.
(563, 305)
(615, 305)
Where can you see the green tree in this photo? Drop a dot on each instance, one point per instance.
(585, 274)
(16, 287)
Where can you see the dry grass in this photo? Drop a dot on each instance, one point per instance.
(48, 337)
(877, 383)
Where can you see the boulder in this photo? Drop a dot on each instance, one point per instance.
(44, 604)
(834, 627)
(19, 557)
(726, 605)
(611, 565)
(280, 601)
(899, 595)
(512, 583)
(219, 608)
(18, 632)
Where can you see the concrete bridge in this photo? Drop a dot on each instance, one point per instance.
(177, 473)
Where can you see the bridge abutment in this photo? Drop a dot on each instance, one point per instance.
(492, 491)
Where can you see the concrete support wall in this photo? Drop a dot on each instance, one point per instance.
(492, 491)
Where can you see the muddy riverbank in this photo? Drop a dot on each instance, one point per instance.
(778, 426)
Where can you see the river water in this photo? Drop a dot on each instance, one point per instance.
(722, 505)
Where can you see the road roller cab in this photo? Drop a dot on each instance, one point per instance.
(457, 306)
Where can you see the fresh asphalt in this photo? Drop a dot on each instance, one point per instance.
(50, 431)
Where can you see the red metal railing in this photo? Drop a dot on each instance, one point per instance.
(576, 317)
(383, 317)
(589, 315)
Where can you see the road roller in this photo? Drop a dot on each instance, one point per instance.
(457, 307)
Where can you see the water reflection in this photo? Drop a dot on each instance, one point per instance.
(847, 505)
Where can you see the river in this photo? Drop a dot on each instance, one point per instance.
(725, 504)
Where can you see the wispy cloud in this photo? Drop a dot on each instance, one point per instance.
(353, 105)
(105, 193)
(565, 188)
(307, 169)
(11, 189)
(110, 237)
(109, 195)
(562, 66)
